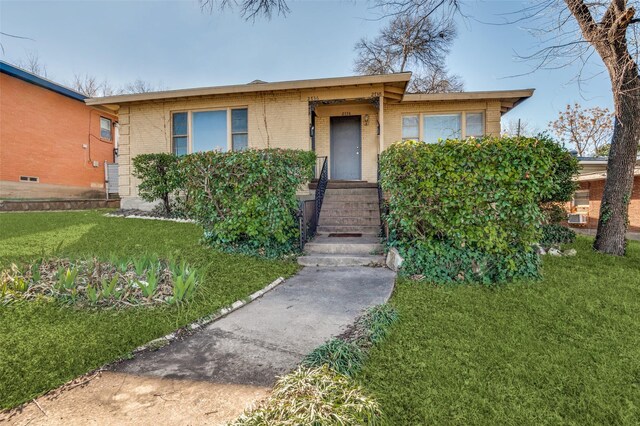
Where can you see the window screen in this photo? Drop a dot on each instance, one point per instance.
(410, 127)
(180, 133)
(239, 129)
(105, 128)
(474, 125)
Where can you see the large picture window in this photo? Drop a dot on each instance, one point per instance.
(210, 130)
(430, 128)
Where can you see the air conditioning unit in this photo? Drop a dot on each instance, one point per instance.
(578, 219)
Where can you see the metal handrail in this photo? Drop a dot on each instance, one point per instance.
(323, 180)
(308, 229)
(381, 205)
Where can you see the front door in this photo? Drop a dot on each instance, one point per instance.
(346, 144)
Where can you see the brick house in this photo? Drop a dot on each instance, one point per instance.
(585, 207)
(52, 145)
(346, 120)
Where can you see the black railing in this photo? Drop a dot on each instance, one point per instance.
(381, 204)
(323, 180)
(309, 210)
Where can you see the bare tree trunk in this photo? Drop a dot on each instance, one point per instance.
(614, 208)
(609, 38)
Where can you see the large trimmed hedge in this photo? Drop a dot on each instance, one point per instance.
(468, 211)
(246, 200)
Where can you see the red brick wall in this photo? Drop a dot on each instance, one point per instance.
(595, 196)
(42, 134)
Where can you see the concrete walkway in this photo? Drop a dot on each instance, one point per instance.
(210, 377)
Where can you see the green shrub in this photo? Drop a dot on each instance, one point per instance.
(343, 357)
(160, 177)
(317, 396)
(553, 234)
(468, 211)
(246, 200)
(565, 167)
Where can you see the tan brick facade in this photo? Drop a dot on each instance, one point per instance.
(282, 119)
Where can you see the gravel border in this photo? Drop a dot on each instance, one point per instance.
(135, 216)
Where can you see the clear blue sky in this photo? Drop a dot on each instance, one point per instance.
(173, 44)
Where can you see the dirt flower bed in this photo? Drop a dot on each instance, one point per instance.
(93, 282)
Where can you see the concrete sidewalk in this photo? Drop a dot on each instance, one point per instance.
(211, 376)
(271, 335)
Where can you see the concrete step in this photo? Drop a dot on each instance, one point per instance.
(338, 211)
(348, 220)
(349, 229)
(341, 260)
(369, 198)
(342, 248)
(352, 191)
(344, 184)
(340, 205)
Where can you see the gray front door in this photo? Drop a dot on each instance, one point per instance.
(346, 147)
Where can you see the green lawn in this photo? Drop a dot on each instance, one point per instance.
(45, 344)
(564, 350)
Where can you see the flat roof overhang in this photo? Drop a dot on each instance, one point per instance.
(509, 99)
(396, 82)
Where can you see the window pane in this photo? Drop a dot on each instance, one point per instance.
(239, 120)
(179, 123)
(410, 128)
(475, 124)
(240, 141)
(441, 127)
(105, 128)
(209, 131)
(180, 146)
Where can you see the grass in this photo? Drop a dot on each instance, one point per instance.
(564, 350)
(45, 344)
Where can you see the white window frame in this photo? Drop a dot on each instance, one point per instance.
(463, 121)
(190, 119)
(110, 138)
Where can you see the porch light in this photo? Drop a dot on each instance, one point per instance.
(366, 119)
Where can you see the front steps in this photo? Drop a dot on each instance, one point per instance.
(348, 229)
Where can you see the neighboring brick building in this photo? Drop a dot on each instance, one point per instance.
(349, 120)
(587, 199)
(52, 145)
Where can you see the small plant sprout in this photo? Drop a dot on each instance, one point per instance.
(92, 294)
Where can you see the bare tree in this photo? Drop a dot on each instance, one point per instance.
(249, 9)
(606, 28)
(139, 86)
(412, 42)
(519, 127)
(33, 64)
(90, 86)
(435, 80)
(588, 130)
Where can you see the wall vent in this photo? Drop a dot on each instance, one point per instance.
(29, 179)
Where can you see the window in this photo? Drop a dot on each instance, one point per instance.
(180, 133)
(214, 130)
(474, 125)
(239, 129)
(209, 131)
(105, 128)
(432, 127)
(410, 127)
(581, 198)
(29, 179)
(437, 127)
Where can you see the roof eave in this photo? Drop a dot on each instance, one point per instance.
(402, 78)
